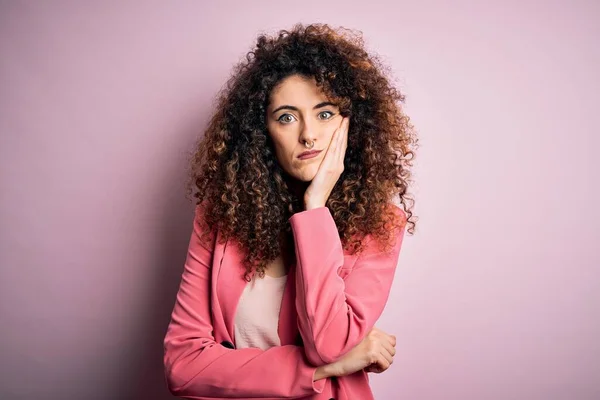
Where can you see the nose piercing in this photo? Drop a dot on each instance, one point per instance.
(312, 144)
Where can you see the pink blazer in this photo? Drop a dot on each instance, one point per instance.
(330, 302)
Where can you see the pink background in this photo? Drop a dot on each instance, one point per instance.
(496, 297)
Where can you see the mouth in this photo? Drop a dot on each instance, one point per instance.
(309, 154)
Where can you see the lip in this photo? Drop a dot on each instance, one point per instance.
(309, 154)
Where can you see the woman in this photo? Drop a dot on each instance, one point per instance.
(295, 238)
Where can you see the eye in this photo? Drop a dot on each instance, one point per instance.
(325, 115)
(286, 118)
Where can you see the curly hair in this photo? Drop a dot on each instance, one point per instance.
(237, 179)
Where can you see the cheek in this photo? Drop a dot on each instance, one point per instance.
(284, 145)
(281, 155)
(279, 151)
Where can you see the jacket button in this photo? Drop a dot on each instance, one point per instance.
(228, 344)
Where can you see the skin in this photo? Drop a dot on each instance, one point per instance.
(299, 111)
(375, 354)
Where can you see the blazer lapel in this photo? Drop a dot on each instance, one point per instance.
(230, 284)
(288, 328)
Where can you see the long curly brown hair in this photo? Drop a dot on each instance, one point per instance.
(237, 179)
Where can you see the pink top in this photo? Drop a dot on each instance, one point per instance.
(257, 314)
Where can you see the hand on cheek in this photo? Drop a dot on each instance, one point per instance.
(331, 168)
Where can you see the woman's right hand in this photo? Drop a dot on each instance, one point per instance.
(374, 354)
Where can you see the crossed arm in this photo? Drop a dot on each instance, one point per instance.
(336, 314)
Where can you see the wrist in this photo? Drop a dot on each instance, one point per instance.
(326, 371)
(310, 204)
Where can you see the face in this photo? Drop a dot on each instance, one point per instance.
(299, 111)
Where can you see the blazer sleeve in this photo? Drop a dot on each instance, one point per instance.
(335, 315)
(197, 367)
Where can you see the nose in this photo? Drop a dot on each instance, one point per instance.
(308, 133)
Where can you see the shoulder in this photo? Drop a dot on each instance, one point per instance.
(395, 219)
(202, 229)
(398, 215)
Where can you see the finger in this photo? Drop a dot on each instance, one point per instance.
(388, 345)
(340, 141)
(333, 155)
(343, 129)
(387, 354)
(332, 144)
(345, 141)
(339, 133)
(391, 338)
(383, 362)
(388, 341)
(331, 158)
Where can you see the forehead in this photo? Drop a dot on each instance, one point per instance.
(297, 90)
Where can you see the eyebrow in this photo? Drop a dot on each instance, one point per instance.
(288, 107)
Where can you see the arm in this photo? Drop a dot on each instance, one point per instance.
(336, 315)
(197, 367)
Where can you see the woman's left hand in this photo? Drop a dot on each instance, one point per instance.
(331, 168)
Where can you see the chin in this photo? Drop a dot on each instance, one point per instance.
(306, 176)
(301, 174)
